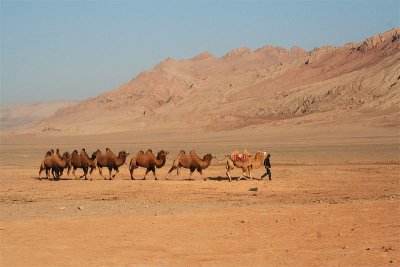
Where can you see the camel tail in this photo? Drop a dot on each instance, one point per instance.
(41, 168)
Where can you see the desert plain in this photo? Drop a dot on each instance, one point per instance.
(331, 201)
(333, 133)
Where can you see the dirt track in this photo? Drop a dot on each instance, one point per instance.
(307, 215)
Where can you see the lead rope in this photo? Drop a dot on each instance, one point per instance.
(222, 160)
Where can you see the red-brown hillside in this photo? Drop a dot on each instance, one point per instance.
(271, 85)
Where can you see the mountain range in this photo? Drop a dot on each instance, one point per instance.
(271, 86)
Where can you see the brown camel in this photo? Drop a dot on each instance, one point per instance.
(247, 165)
(43, 163)
(110, 160)
(83, 161)
(148, 161)
(192, 162)
(56, 163)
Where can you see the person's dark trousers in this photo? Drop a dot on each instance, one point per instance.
(267, 172)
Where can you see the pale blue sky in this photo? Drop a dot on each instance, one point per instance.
(79, 49)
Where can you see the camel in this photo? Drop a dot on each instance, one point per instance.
(192, 162)
(247, 165)
(56, 163)
(43, 163)
(46, 164)
(83, 161)
(148, 161)
(110, 160)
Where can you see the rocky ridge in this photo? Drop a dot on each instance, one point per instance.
(270, 85)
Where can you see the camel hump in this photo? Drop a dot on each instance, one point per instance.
(246, 152)
(236, 156)
(48, 153)
(194, 155)
(141, 152)
(182, 152)
(74, 153)
(149, 151)
(109, 152)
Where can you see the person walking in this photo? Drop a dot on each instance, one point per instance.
(267, 165)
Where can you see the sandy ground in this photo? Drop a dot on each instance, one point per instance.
(324, 206)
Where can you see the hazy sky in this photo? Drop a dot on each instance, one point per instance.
(79, 49)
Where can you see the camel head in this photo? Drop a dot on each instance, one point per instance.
(259, 154)
(162, 153)
(208, 156)
(122, 154)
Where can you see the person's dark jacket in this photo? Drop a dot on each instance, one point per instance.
(267, 163)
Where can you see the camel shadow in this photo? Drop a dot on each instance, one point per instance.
(57, 180)
(46, 179)
(218, 178)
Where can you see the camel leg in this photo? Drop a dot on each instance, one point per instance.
(145, 174)
(116, 172)
(56, 175)
(201, 172)
(251, 178)
(131, 171)
(101, 173)
(40, 171)
(243, 176)
(91, 170)
(229, 175)
(170, 170)
(154, 174)
(73, 172)
(113, 176)
(190, 175)
(85, 171)
(109, 171)
(228, 170)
